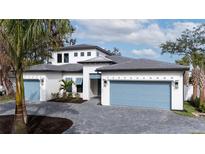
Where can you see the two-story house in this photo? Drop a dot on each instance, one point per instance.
(117, 80)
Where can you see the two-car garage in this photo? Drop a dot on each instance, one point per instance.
(141, 93)
(143, 83)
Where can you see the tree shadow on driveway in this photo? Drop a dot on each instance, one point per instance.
(42, 117)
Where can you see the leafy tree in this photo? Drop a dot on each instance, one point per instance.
(5, 69)
(71, 41)
(190, 45)
(23, 37)
(115, 51)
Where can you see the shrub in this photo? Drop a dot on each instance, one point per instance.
(197, 102)
(69, 95)
(202, 108)
(54, 95)
(77, 95)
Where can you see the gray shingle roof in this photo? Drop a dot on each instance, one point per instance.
(119, 59)
(142, 65)
(83, 47)
(99, 59)
(56, 68)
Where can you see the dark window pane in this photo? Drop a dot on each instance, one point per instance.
(88, 53)
(75, 54)
(66, 58)
(82, 54)
(59, 58)
(79, 88)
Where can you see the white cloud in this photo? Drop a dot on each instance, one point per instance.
(145, 53)
(129, 31)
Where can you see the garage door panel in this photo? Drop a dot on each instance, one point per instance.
(32, 90)
(145, 94)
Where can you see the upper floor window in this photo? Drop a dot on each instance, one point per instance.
(98, 54)
(59, 58)
(66, 58)
(82, 54)
(75, 54)
(88, 53)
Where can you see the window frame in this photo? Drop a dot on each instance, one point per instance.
(98, 54)
(89, 53)
(82, 54)
(79, 87)
(64, 57)
(75, 54)
(59, 54)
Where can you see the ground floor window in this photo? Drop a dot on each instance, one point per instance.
(79, 88)
(70, 87)
(79, 85)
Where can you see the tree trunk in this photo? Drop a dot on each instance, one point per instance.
(201, 85)
(19, 126)
(202, 96)
(195, 81)
(194, 96)
(23, 101)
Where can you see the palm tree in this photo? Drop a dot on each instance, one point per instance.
(66, 85)
(22, 37)
(195, 82)
(201, 86)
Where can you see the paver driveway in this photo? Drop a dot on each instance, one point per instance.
(91, 118)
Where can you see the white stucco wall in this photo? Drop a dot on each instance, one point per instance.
(72, 58)
(188, 92)
(176, 94)
(87, 69)
(52, 83)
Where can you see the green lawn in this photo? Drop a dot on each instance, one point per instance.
(4, 99)
(188, 109)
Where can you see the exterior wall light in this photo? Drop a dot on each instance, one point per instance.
(42, 81)
(176, 84)
(105, 82)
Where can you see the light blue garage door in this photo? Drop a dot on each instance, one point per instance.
(144, 94)
(32, 90)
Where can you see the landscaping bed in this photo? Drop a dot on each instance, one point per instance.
(191, 110)
(68, 100)
(37, 124)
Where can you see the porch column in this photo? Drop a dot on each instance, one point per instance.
(86, 84)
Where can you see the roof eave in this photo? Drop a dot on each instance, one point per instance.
(62, 71)
(153, 69)
(84, 62)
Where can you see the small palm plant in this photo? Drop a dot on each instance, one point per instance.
(66, 86)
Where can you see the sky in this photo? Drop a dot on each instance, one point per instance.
(134, 38)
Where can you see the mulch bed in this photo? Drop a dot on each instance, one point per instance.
(37, 124)
(68, 100)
